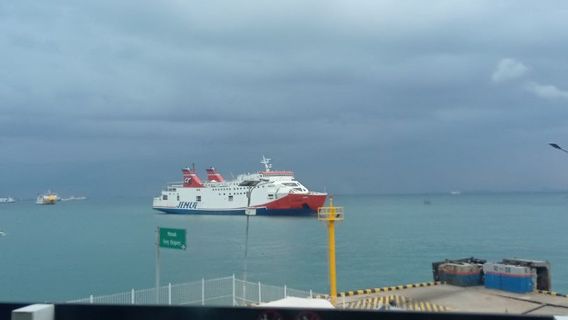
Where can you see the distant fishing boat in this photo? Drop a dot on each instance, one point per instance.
(455, 193)
(48, 198)
(7, 200)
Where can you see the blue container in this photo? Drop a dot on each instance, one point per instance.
(493, 281)
(518, 284)
(467, 280)
(446, 277)
(464, 275)
(516, 279)
(492, 275)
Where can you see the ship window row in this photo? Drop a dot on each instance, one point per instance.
(236, 193)
(198, 198)
(240, 188)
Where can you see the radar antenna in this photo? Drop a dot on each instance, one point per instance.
(266, 162)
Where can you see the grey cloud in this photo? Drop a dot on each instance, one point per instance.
(395, 87)
(508, 69)
(546, 91)
(511, 69)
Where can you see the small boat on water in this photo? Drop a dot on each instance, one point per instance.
(7, 200)
(48, 198)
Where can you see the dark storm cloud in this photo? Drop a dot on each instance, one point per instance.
(410, 93)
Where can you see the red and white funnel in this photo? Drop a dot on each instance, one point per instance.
(190, 179)
(214, 176)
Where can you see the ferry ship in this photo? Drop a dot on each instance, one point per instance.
(268, 192)
(48, 198)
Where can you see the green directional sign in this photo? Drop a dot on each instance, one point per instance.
(172, 238)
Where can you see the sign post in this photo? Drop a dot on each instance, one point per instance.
(331, 215)
(171, 239)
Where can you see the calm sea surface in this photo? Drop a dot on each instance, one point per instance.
(97, 246)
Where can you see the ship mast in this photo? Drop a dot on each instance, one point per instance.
(266, 162)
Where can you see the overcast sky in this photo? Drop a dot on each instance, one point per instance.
(106, 98)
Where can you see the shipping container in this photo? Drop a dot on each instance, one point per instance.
(460, 274)
(543, 279)
(492, 277)
(470, 260)
(516, 278)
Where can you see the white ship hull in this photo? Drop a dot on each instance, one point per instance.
(7, 200)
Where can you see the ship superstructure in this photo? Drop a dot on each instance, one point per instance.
(48, 198)
(266, 192)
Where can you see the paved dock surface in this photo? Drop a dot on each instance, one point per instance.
(443, 297)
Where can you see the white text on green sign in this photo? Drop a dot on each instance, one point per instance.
(172, 238)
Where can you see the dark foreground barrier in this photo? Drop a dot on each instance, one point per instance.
(112, 312)
(6, 309)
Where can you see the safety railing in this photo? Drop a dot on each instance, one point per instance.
(227, 291)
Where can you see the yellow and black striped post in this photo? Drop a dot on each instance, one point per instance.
(331, 214)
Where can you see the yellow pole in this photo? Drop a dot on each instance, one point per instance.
(331, 232)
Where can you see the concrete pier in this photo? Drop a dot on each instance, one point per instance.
(437, 297)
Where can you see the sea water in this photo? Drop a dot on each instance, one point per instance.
(102, 246)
